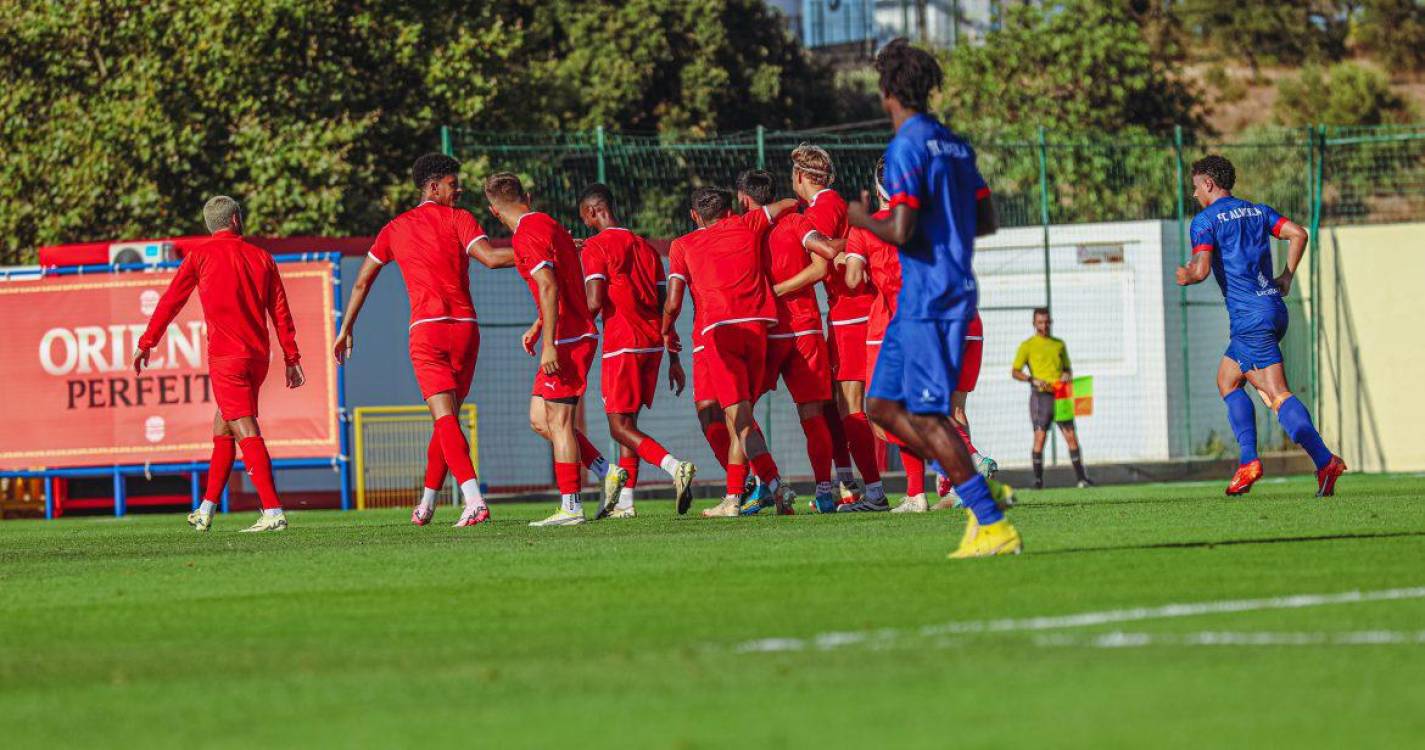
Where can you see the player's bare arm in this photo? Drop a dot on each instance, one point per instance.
(672, 308)
(823, 246)
(490, 256)
(1197, 270)
(549, 318)
(370, 269)
(855, 271)
(295, 376)
(986, 222)
(677, 377)
(813, 272)
(531, 335)
(777, 208)
(895, 229)
(1296, 237)
(594, 293)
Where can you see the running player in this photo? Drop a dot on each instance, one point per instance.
(239, 288)
(433, 244)
(1231, 241)
(734, 306)
(796, 346)
(548, 262)
(623, 279)
(847, 313)
(938, 204)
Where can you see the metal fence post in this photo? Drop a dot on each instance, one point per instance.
(1048, 273)
(1182, 294)
(599, 143)
(761, 147)
(1316, 138)
(445, 140)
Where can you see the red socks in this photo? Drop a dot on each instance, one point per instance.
(588, 454)
(914, 473)
(765, 467)
(719, 439)
(435, 464)
(839, 454)
(259, 467)
(863, 445)
(736, 479)
(630, 465)
(220, 466)
(818, 447)
(455, 449)
(567, 477)
(649, 450)
(965, 436)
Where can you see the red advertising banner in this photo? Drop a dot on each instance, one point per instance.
(68, 396)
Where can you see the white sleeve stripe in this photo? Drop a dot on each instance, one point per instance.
(857, 256)
(678, 276)
(767, 211)
(378, 261)
(471, 243)
(807, 236)
(593, 276)
(542, 264)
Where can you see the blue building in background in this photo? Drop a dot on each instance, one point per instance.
(822, 24)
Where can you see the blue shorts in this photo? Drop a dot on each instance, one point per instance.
(1258, 345)
(919, 364)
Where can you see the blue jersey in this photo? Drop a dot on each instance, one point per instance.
(933, 171)
(1239, 232)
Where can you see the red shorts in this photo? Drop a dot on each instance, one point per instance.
(736, 356)
(575, 359)
(443, 354)
(236, 381)
(974, 353)
(848, 351)
(873, 352)
(702, 378)
(629, 380)
(803, 363)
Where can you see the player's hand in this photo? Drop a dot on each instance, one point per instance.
(578, 243)
(342, 348)
(528, 339)
(677, 378)
(295, 376)
(673, 343)
(1283, 282)
(1038, 384)
(140, 360)
(858, 212)
(839, 262)
(549, 360)
(1182, 276)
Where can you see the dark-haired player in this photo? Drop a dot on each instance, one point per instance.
(1231, 240)
(733, 307)
(433, 244)
(623, 279)
(847, 312)
(938, 204)
(549, 263)
(240, 289)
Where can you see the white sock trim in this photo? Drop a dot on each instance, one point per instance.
(625, 498)
(428, 497)
(470, 490)
(669, 464)
(571, 503)
(207, 506)
(600, 467)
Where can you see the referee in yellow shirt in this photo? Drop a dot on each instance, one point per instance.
(1047, 360)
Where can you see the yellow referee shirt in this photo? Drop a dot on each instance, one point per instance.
(1046, 356)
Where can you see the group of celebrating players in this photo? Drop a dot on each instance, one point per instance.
(898, 354)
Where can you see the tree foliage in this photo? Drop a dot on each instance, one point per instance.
(1394, 32)
(1261, 32)
(119, 117)
(1344, 95)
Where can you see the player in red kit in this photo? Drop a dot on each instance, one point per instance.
(849, 309)
(796, 346)
(733, 306)
(623, 279)
(433, 244)
(549, 263)
(240, 289)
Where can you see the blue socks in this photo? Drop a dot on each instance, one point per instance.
(1243, 419)
(1296, 421)
(975, 493)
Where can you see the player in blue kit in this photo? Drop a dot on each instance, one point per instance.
(1231, 240)
(939, 203)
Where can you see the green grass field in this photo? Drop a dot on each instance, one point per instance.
(360, 630)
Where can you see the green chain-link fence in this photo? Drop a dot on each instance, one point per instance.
(1063, 203)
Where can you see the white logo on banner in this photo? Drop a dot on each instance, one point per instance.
(148, 301)
(153, 429)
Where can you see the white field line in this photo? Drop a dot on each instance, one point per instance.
(1119, 639)
(885, 636)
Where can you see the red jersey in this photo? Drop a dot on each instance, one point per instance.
(431, 244)
(540, 242)
(632, 273)
(883, 263)
(678, 269)
(828, 214)
(239, 288)
(797, 312)
(728, 276)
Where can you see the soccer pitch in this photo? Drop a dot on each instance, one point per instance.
(1304, 627)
